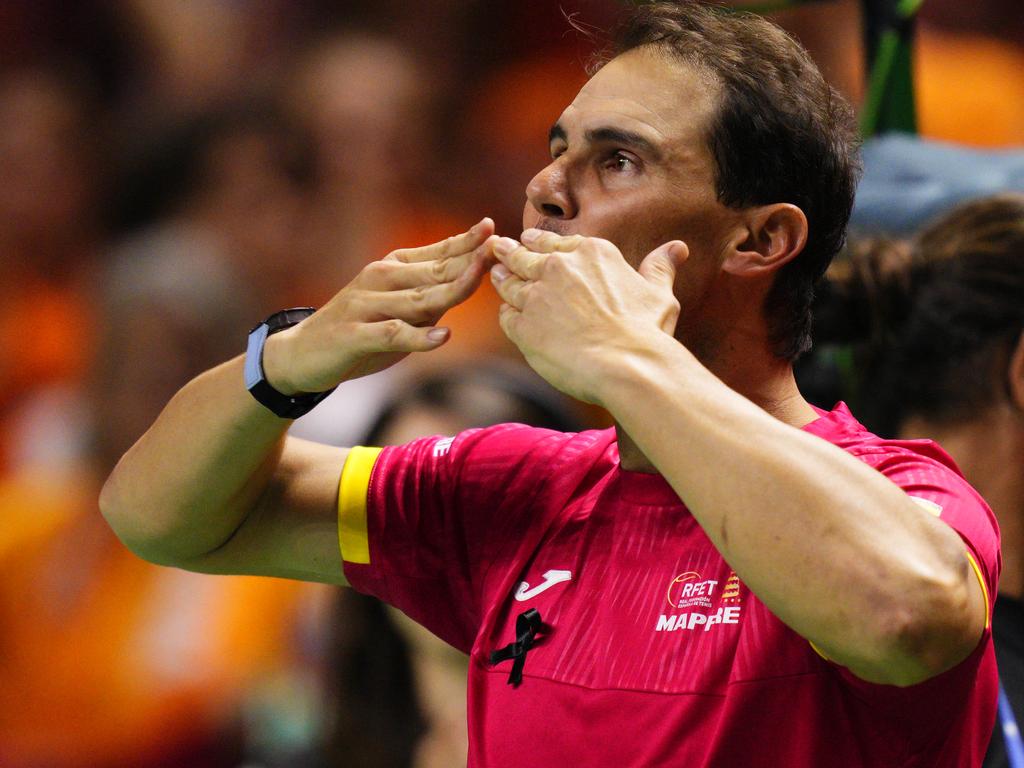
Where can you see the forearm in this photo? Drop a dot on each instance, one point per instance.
(215, 485)
(831, 546)
(190, 480)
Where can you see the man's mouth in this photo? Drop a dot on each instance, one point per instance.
(553, 225)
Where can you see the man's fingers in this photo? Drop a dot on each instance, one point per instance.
(398, 336)
(393, 275)
(541, 241)
(518, 258)
(510, 288)
(659, 266)
(452, 246)
(422, 304)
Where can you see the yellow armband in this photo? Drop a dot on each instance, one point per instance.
(353, 537)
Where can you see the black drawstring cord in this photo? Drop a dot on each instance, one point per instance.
(528, 624)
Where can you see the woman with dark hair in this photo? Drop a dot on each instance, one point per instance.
(927, 338)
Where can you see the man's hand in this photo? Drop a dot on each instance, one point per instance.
(216, 485)
(572, 301)
(389, 310)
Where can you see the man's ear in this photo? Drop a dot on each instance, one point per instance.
(767, 236)
(1015, 374)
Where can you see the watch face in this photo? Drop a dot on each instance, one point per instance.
(254, 356)
(286, 318)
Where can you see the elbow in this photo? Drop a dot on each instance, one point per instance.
(931, 632)
(132, 526)
(113, 508)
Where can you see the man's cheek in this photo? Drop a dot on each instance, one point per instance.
(632, 251)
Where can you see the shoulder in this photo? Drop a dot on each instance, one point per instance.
(840, 428)
(493, 451)
(921, 468)
(926, 473)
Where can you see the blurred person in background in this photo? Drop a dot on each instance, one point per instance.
(49, 236)
(187, 59)
(370, 110)
(233, 181)
(108, 661)
(934, 336)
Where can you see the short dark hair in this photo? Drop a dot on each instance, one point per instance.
(780, 134)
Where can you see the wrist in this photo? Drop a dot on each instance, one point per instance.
(276, 361)
(279, 390)
(633, 367)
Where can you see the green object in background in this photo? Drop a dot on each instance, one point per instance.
(889, 103)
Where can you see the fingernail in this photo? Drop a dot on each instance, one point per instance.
(531, 234)
(499, 272)
(437, 334)
(505, 245)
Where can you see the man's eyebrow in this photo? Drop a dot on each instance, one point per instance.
(609, 135)
(625, 138)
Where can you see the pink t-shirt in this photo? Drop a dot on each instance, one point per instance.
(653, 652)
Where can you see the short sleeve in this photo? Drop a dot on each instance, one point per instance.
(419, 524)
(926, 474)
(940, 490)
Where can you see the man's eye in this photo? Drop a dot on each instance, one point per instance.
(619, 162)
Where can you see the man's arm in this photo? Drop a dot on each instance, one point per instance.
(831, 546)
(215, 485)
(835, 550)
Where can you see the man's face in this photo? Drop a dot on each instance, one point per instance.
(630, 164)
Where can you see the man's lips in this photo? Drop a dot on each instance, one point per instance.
(552, 225)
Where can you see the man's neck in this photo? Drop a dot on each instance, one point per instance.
(768, 383)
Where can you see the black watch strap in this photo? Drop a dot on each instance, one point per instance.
(285, 406)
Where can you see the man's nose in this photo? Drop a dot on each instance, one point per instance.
(549, 193)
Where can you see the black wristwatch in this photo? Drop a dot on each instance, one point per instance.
(285, 406)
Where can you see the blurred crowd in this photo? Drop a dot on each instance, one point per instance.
(173, 172)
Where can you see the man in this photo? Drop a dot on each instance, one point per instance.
(711, 584)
